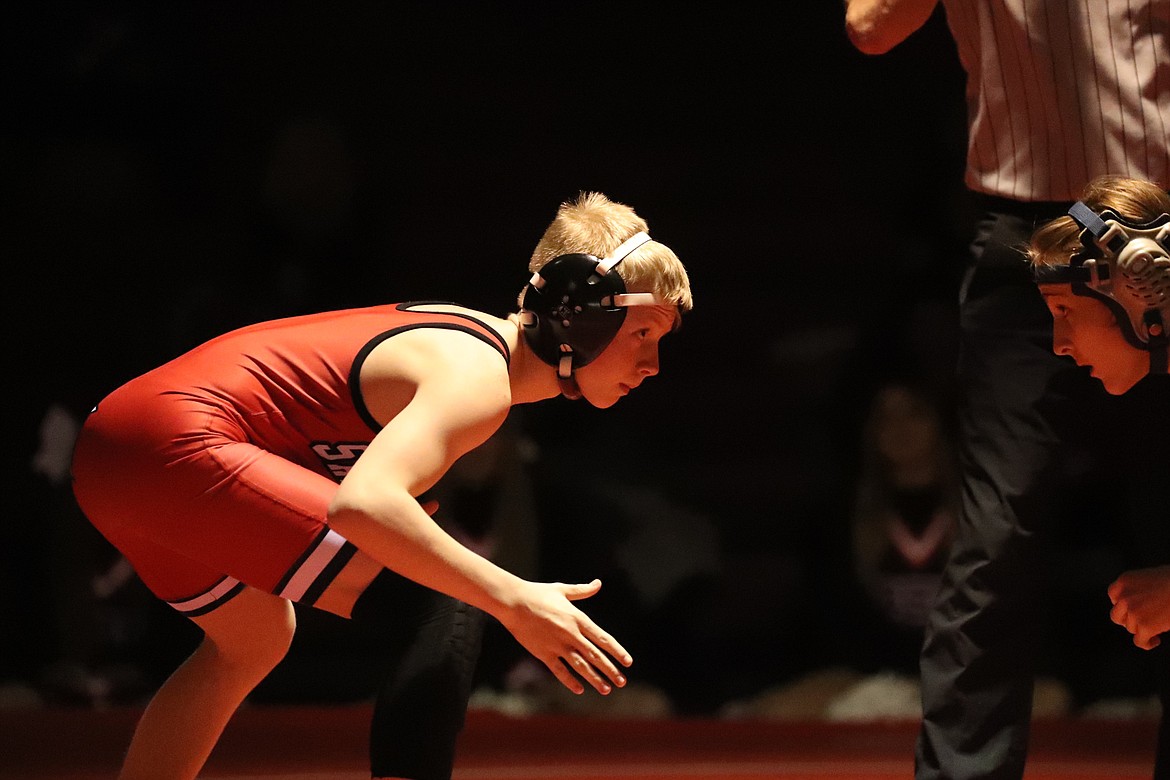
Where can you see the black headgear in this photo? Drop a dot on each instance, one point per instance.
(573, 307)
(1125, 265)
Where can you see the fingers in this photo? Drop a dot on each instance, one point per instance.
(611, 647)
(1146, 642)
(1143, 638)
(590, 665)
(1114, 591)
(592, 631)
(577, 592)
(430, 507)
(592, 660)
(588, 671)
(583, 651)
(564, 676)
(588, 662)
(603, 663)
(1119, 614)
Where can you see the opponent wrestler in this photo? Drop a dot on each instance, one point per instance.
(1104, 271)
(281, 462)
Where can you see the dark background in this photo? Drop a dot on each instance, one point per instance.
(174, 170)
(170, 172)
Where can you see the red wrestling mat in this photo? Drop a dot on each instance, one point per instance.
(327, 743)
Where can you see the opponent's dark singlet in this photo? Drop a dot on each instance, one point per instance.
(216, 469)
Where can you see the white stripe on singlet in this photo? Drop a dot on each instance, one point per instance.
(1040, 128)
(324, 551)
(208, 599)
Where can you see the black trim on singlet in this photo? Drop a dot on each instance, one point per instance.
(208, 607)
(328, 574)
(292, 570)
(409, 306)
(355, 390)
(225, 598)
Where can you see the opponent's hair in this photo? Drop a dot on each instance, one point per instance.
(1133, 199)
(593, 224)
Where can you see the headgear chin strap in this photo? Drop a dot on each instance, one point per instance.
(1126, 265)
(574, 306)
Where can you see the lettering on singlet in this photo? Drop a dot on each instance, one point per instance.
(338, 457)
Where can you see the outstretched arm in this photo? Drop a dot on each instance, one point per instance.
(455, 407)
(876, 26)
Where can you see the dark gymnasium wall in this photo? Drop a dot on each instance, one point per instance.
(174, 170)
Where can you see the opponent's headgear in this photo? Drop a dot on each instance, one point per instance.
(1126, 265)
(573, 307)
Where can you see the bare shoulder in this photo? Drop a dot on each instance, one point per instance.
(453, 365)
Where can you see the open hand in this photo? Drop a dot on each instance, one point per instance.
(544, 620)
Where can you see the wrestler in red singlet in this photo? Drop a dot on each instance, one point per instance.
(215, 470)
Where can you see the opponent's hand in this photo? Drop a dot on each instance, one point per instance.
(543, 619)
(1141, 603)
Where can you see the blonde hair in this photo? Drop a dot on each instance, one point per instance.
(1133, 199)
(595, 225)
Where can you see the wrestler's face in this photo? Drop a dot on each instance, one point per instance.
(629, 359)
(1086, 330)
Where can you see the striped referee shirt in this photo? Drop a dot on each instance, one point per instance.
(1061, 91)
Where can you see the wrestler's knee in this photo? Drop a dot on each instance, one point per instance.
(251, 632)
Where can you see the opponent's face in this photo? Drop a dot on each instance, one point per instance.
(629, 359)
(1086, 330)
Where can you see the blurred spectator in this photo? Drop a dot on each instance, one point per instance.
(77, 637)
(903, 520)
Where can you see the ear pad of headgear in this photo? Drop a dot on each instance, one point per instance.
(1129, 269)
(574, 310)
(1145, 271)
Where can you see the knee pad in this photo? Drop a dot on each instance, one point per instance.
(421, 705)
